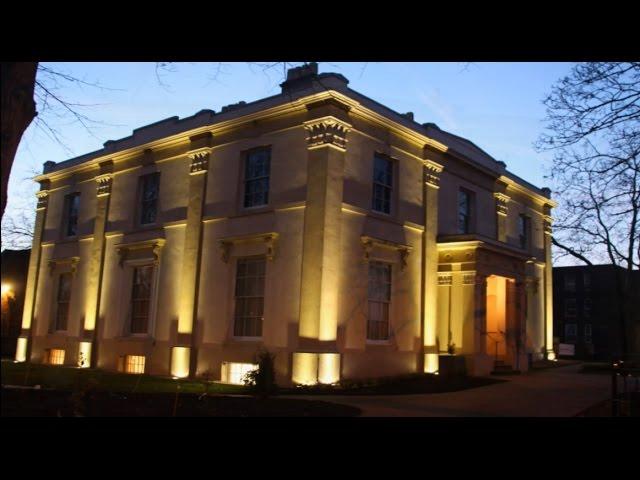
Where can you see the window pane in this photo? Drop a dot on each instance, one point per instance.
(141, 299)
(464, 211)
(256, 176)
(63, 300)
(149, 198)
(249, 302)
(382, 184)
(379, 298)
(73, 206)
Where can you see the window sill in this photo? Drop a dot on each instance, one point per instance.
(246, 339)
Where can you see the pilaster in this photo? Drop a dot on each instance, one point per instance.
(183, 354)
(548, 286)
(327, 130)
(502, 209)
(23, 347)
(87, 353)
(432, 171)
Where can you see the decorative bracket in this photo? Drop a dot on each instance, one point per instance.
(71, 261)
(43, 199)
(432, 171)
(368, 243)
(269, 239)
(104, 184)
(445, 279)
(501, 203)
(547, 225)
(199, 161)
(327, 132)
(154, 246)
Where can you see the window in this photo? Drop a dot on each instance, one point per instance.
(586, 308)
(523, 231)
(134, 364)
(149, 192)
(569, 282)
(379, 300)
(570, 330)
(570, 307)
(56, 356)
(249, 293)
(235, 372)
(464, 211)
(382, 184)
(587, 332)
(72, 206)
(586, 281)
(63, 300)
(141, 299)
(256, 177)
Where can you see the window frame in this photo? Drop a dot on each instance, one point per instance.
(386, 303)
(235, 316)
(151, 299)
(470, 206)
(574, 328)
(390, 187)
(246, 156)
(141, 201)
(66, 221)
(524, 236)
(67, 303)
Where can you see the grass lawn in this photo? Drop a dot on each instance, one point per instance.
(69, 378)
(400, 385)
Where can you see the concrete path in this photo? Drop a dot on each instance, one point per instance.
(555, 392)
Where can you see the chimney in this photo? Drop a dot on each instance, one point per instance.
(431, 125)
(408, 115)
(48, 166)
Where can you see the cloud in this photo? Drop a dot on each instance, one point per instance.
(438, 106)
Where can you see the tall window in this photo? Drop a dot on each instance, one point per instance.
(149, 192)
(141, 299)
(379, 300)
(256, 177)
(570, 307)
(72, 206)
(569, 282)
(464, 211)
(570, 331)
(382, 184)
(249, 309)
(523, 231)
(63, 301)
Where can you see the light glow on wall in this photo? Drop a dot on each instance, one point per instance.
(431, 363)
(234, 373)
(21, 350)
(84, 355)
(305, 368)
(328, 368)
(6, 288)
(180, 361)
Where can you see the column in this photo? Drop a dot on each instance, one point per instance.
(183, 357)
(88, 348)
(23, 348)
(548, 287)
(317, 360)
(480, 314)
(432, 171)
(502, 201)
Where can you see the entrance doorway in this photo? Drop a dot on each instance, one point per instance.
(497, 312)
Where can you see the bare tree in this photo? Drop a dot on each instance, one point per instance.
(25, 86)
(593, 126)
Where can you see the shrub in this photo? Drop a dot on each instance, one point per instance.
(263, 380)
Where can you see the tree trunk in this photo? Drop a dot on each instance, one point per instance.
(17, 111)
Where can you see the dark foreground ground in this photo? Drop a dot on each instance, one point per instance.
(51, 403)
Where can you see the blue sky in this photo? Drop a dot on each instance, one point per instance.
(498, 106)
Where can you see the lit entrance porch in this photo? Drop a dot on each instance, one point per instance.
(488, 310)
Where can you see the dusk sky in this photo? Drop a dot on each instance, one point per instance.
(498, 106)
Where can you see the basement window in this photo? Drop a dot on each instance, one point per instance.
(56, 356)
(234, 373)
(134, 364)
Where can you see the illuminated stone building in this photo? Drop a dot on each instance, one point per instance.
(317, 224)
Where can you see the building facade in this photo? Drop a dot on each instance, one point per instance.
(317, 224)
(587, 311)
